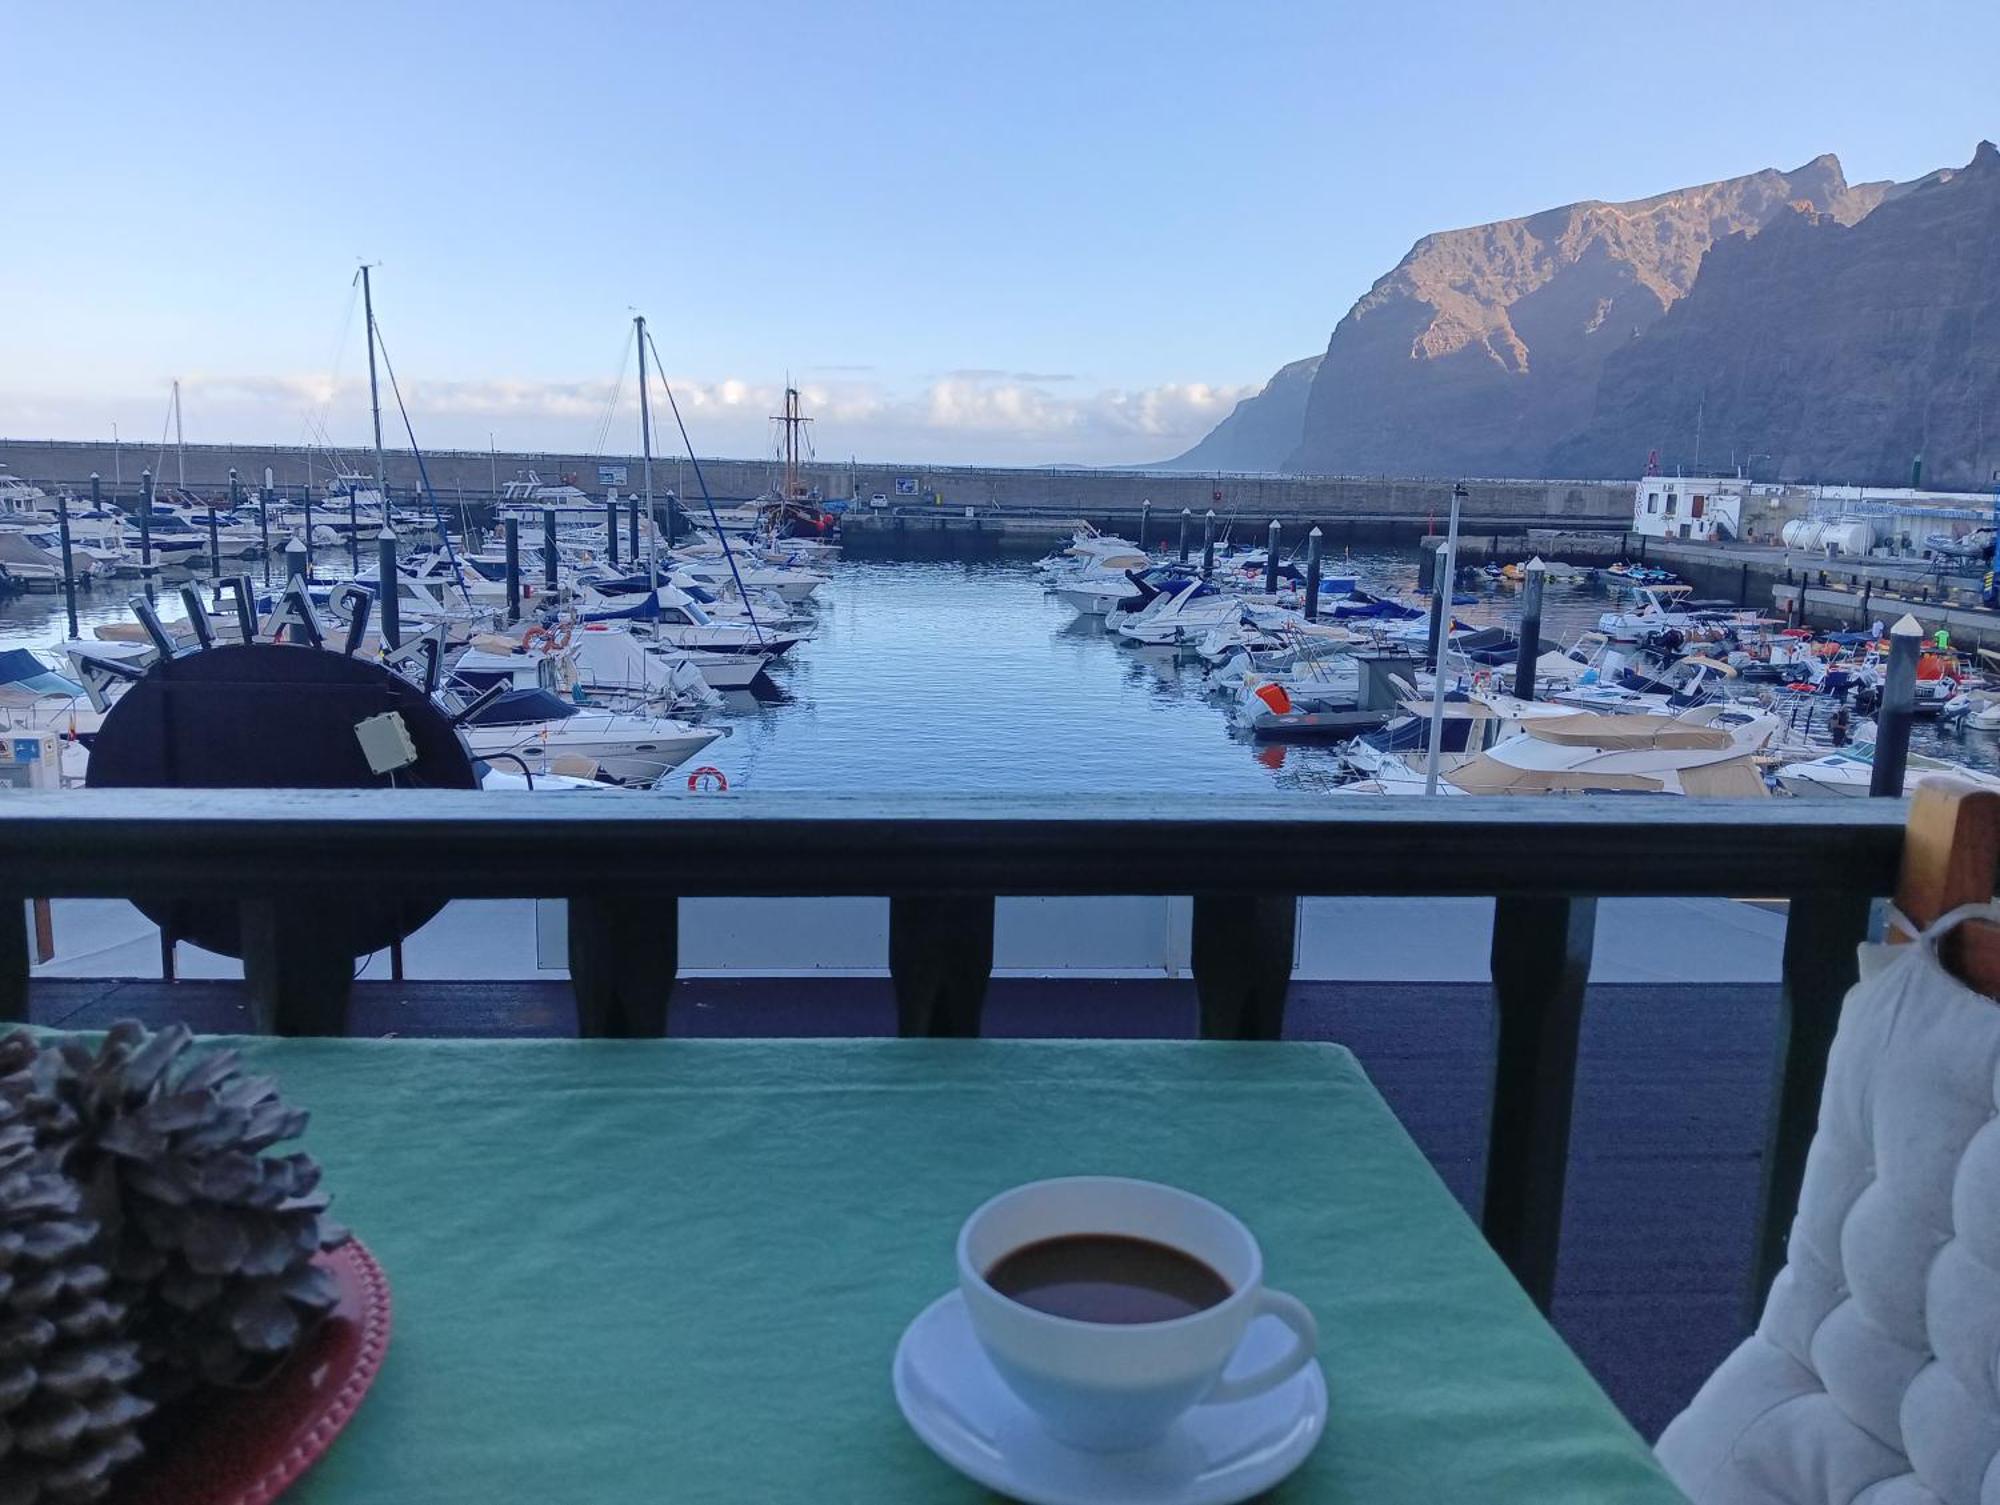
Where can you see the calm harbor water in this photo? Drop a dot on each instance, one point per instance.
(965, 676)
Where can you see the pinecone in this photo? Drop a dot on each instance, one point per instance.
(210, 1242)
(66, 1414)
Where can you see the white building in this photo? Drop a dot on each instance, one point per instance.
(1702, 508)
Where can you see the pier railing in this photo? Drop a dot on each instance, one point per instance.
(293, 859)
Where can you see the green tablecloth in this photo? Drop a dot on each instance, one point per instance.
(677, 1271)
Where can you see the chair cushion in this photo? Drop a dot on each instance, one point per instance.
(1874, 1376)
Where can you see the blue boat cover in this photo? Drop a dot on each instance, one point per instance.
(20, 667)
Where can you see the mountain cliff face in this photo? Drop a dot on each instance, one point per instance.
(1481, 351)
(1260, 431)
(1825, 348)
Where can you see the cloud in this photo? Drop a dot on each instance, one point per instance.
(973, 416)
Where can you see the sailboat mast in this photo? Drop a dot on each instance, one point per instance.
(180, 445)
(646, 449)
(374, 392)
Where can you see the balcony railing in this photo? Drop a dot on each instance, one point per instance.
(292, 859)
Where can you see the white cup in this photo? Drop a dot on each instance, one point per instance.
(1110, 1386)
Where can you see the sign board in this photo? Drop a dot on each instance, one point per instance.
(906, 485)
(611, 475)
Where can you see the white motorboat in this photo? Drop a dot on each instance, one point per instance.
(1183, 611)
(1847, 773)
(33, 551)
(22, 503)
(718, 576)
(680, 621)
(1659, 610)
(548, 734)
(1708, 750)
(597, 666)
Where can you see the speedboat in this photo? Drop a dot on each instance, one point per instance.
(680, 621)
(548, 734)
(596, 666)
(1182, 612)
(718, 575)
(1847, 773)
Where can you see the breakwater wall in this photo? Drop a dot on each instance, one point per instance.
(473, 476)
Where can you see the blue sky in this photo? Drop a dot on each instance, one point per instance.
(1018, 232)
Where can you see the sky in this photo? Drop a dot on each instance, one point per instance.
(1014, 232)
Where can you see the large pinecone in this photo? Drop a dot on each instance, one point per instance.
(210, 1241)
(66, 1414)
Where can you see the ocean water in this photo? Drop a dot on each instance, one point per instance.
(950, 676)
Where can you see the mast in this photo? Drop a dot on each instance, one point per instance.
(180, 446)
(646, 448)
(374, 393)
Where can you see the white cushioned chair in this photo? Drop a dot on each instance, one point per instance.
(1874, 1375)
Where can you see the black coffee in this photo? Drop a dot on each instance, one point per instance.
(1106, 1277)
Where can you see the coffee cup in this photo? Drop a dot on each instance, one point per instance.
(1179, 1279)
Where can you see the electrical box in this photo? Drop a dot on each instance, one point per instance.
(386, 743)
(30, 760)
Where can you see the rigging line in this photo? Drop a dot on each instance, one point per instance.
(603, 435)
(317, 418)
(160, 457)
(423, 471)
(727, 552)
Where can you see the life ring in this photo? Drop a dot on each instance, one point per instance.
(538, 636)
(708, 779)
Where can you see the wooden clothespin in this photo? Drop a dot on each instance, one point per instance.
(1951, 854)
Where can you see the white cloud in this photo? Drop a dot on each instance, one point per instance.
(965, 416)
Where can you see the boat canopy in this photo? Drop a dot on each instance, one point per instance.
(523, 707)
(1486, 774)
(1627, 733)
(23, 672)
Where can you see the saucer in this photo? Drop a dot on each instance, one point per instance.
(1214, 1455)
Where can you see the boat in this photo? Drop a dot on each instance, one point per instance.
(597, 666)
(1709, 750)
(680, 621)
(22, 503)
(546, 733)
(1183, 611)
(1847, 773)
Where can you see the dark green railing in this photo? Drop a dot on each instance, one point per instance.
(293, 860)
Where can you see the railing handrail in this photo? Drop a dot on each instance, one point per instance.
(476, 844)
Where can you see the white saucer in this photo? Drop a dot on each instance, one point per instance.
(1215, 1455)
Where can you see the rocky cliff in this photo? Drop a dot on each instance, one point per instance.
(1824, 349)
(1260, 431)
(1481, 350)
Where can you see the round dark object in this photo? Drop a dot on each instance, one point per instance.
(272, 716)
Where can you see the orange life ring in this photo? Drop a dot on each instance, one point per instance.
(535, 635)
(708, 779)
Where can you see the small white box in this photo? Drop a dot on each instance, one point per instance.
(386, 743)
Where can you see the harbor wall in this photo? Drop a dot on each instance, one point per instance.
(472, 476)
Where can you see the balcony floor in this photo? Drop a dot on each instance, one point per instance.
(1672, 1095)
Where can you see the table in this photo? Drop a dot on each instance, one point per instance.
(677, 1270)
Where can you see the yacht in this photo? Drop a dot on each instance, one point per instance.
(22, 503)
(1708, 750)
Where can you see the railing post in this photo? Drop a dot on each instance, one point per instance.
(13, 959)
(624, 956)
(1821, 933)
(1541, 966)
(940, 959)
(297, 967)
(1241, 955)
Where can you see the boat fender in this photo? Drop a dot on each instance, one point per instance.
(708, 780)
